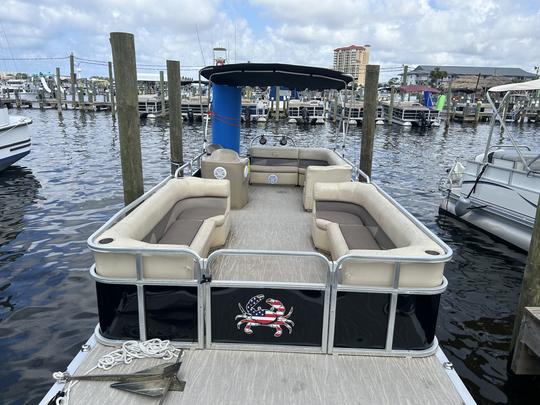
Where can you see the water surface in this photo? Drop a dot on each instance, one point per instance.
(70, 184)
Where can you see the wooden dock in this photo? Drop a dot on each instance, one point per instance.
(526, 359)
(236, 377)
(52, 103)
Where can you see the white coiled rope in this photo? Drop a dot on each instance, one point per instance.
(132, 349)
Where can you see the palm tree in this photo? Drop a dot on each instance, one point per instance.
(436, 75)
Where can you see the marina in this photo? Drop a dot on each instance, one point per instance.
(228, 228)
(43, 196)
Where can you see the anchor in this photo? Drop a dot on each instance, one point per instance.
(155, 381)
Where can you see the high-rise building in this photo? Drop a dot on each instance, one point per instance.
(352, 60)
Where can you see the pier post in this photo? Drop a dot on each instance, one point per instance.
(72, 79)
(58, 92)
(90, 92)
(370, 117)
(404, 81)
(17, 99)
(477, 111)
(162, 91)
(449, 103)
(277, 103)
(125, 72)
(111, 92)
(391, 106)
(529, 297)
(94, 93)
(175, 113)
(336, 100)
(41, 98)
(81, 99)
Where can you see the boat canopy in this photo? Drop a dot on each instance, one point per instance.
(276, 74)
(524, 86)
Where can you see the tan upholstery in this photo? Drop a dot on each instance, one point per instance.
(236, 171)
(297, 166)
(274, 165)
(326, 174)
(177, 212)
(391, 233)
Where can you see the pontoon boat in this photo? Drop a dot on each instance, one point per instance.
(498, 190)
(288, 280)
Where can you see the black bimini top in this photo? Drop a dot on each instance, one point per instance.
(276, 74)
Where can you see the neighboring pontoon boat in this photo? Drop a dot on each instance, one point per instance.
(265, 265)
(498, 191)
(14, 138)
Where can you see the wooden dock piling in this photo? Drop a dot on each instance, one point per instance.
(72, 79)
(370, 117)
(404, 81)
(529, 297)
(111, 92)
(336, 98)
(58, 92)
(175, 114)
(41, 98)
(17, 99)
(162, 91)
(81, 99)
(125, 72)
(477, 111)
(390, 118)
(277, 103)
(449, 103)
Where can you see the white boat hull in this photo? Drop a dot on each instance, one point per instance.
(14, 141)
(512, 231)
(496, 198)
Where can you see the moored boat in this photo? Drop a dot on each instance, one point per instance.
(271, 261)
(498, 190)
(14, 138)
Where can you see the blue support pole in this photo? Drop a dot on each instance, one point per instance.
(226, 109)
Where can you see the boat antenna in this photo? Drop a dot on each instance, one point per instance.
(9, 47)
(200, 46)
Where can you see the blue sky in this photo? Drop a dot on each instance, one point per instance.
(452, 32)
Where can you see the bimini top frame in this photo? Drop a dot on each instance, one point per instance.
(513, 89)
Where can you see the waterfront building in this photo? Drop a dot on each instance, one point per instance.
(352, 60)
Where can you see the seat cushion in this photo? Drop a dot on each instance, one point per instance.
(200, 213)
(340, 217)
(358, 237)
(345, 207)
(382, 238)
(181, 232)
(271, 161)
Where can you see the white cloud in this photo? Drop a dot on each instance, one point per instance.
(483, 32)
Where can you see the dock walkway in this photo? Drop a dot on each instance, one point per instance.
(237, 377)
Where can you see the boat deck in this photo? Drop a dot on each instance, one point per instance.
(236, 377)
(273, 219)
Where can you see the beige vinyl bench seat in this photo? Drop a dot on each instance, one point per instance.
(185, 213)
(354, 218)
(297, 167)
(357, 226)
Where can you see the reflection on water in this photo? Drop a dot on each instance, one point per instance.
(71, 183)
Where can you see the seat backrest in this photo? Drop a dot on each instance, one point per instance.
(274, 152)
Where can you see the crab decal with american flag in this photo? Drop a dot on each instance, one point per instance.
(271, 317)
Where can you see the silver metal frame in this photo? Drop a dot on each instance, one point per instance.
(330, 287)
(326, 287)
(140, 281)
(195, 162)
